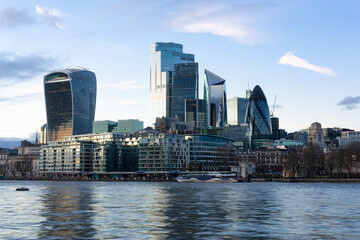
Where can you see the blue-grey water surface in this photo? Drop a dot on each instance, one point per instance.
(145, 210)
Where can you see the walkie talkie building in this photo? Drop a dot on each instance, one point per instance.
(70, 97)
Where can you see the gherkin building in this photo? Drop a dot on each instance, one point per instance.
(258, 119)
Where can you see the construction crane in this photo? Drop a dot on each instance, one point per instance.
(273, 110)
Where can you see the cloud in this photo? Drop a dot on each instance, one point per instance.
(292, 60)
(16, 68)
(18, 99)
(124, 85)
(240, 21)
(277, 106)
(350, 103)
(11, 17)
(52, 16)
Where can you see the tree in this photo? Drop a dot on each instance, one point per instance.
(333, 161)
(314, 160)
(291, 163)
(351, 156)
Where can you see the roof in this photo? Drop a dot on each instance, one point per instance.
(213, 79)
(257, 94)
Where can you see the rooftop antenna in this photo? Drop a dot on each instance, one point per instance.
(273, 110)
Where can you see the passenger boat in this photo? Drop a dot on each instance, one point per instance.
(208, 177)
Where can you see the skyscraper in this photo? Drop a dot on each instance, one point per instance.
(163, 58)
(236, 110)
(215, 98)
(258, 118)
(195, 110)
(185, 86)
(70, 96)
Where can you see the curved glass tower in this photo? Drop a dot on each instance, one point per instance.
(70, 96)
(215, 98)
(258, 118)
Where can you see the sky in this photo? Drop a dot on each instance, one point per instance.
(302, 51)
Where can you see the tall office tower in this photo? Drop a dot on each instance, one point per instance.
(215, 98)
(70, 96)
(185, 86)
(163, 58)
(195, 110)
(43, 134)
(248, 93)
(236, 110)
(275, 128)
(258, 118)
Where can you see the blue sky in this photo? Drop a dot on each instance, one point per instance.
(305, 52)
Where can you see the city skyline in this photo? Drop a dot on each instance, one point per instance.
(303, 52)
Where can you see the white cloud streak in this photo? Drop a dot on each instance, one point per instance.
(210, 21)
(290, 59)
(52, 16)
(239, 21)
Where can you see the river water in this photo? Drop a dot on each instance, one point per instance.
(169, 210)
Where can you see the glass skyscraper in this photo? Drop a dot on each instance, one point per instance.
(258, 118)
(195, 111)
(236, 110)
(163, 58)
(215, 98)
(70, 97)
(185, 86)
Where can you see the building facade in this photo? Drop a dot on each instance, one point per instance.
(185, 86)
(316, 135)
(215, 98)
(236, 110)
(70, 96)
(103, 126)
(163, 58)
(163, 152)
(128, 126)
(349, 137)
(78, 154)
(195, 111)
(43, 134)
(258, 118)
(210, 153)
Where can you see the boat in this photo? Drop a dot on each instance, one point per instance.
(208, 177)
(22, 189)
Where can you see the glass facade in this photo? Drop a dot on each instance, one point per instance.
(162, 60)
(70, 97)
(185, 86)
(236, 110)
(103, 126)
(163, 152)
(195, 110)
(207, 153)
(215, 98)
(105, 152)
(258, 118)
(128, 126)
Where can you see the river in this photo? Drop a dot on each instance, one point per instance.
(170, 210)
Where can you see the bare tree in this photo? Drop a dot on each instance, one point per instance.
(291, 163)
(333, 161)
